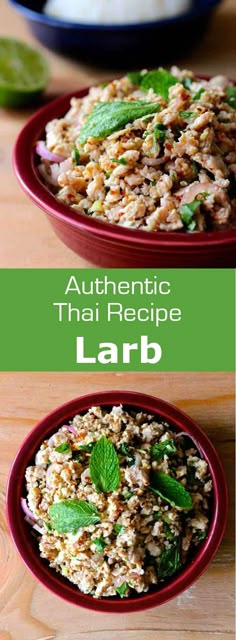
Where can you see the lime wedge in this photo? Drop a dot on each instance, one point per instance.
(23, 73)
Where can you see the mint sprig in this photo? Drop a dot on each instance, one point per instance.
(107, 117)
(104, 466)
(171, 490)
(187, 212)
(70, 515)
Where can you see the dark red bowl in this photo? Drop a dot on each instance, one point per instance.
(27, 545)
(104, 244)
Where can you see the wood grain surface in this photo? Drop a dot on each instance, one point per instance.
(27, 610)
(26, 238)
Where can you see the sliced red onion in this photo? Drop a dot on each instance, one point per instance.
(183, 433)
(42, 151)
(50, 176)
(65, 165)
(26, 510)
(189, 193)
(35, 525)
(70, 428)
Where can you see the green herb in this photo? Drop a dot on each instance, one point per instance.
(104, 466)
(87, 447)
(100, 543)
(153, 183)
(187, 213)
(187, 82)
(104, 85)
(126, 451)
(168, 532)
(201, 535)
(231, 96)
(118, 528)
(70, 515)
(107, 117)
(119, 160)
(170, 562)
(63, 448)
(122, 589)
(194, 168)
(159, 449)
(75, 155)
(157, 515)
(135, 77)
(160, 132)
(159, 80)
(76, 455)
(171, 490)
(198, 94)
(127, 495)
(47, 525)
(96, 206)
(187, 115)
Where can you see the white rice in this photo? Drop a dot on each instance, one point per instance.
(115, 12)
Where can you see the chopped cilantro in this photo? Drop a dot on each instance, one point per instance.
(122, 589)
(63, 448)
(160, 132)
(100, 544)
(187, 213)
(187, 115)
(187, 82)
(75, 155)
(118, 528)
(119, 160)
(231, 96)
(198, 93)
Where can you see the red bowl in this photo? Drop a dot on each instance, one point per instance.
(27, 545)
(104, 244)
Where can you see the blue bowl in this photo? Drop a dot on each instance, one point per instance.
(121, 46)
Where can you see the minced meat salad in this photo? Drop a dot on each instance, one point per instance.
(153, 150)
(120, 500)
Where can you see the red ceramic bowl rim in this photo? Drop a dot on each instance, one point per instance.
(25, 169)
(64, 589)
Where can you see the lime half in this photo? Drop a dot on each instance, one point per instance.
(23, 73)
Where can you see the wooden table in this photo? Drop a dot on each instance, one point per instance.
(26, 238)
(27, 610)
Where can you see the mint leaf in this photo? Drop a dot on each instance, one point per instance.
(198, 93)
(107, 117)
(135, 77)
(70, 515)
(63, 448)
(231, 96)
(118, 528)
(76, 456)
(160, 81)
(159, 449)
(170, 562)
(122, 589)
(187, 212)
(100, 543)
(171, 490)
(104, 466)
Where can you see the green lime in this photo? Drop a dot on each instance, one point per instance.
(23, 73)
